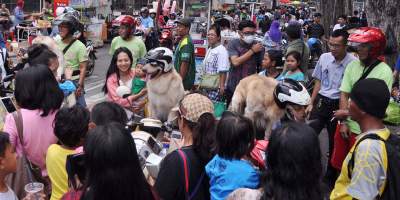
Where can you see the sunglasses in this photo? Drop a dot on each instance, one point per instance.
(154, 62)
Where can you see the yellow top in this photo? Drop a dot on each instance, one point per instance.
(369, 172)
(56, 159)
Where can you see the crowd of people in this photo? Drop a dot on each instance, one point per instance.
(226, 156)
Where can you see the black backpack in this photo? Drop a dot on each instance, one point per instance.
(391, 190)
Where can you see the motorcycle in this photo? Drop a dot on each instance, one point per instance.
(91, 58)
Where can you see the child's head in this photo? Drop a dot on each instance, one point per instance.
(139, 68)
(71, 125)
(293, 60)
(272, 58)
(235, 136)
(106, 112)
(8, 157)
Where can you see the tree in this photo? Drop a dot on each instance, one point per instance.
(383, 14)
(331, 10)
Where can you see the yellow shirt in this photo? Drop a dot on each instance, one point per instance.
(56, 159)
(369, 172)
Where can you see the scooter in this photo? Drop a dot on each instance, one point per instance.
(91, 58)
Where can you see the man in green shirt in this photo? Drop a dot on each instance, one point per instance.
(370, 43)
(126, 39)
(75, 56)
(184, 55)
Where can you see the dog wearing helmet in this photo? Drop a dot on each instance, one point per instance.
(164, 85)
(269, 99)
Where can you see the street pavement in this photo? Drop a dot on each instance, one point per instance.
(94, 83)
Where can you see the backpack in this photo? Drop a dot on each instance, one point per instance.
(392, 145)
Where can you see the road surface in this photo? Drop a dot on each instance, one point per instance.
(94, 83)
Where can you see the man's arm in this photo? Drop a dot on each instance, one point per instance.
(239, 60)
(82, 74)
(344, 101)
(184, 68)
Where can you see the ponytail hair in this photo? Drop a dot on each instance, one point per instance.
(204, 136)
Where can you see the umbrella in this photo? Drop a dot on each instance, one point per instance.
(284, 1)
(296, 2)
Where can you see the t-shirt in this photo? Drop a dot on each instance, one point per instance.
(137, 85)
(9, 195)
(316, 30)
(228, 175)
(352, 74)
(147, 22)
(238, 48)
(397, 67)
(170, 183)
(56, 159)
(185, 52)
(135, 45)
(369, 171)
(75, 55)
(298, 76)
(338, 26)
(216, 60)
(38, 135)
(330, 73)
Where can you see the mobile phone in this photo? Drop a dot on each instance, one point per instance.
(8, 104)
(76, 166)
(176, 135)
(153, 145)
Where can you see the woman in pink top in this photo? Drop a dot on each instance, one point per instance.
(39, 97)
(119, 74)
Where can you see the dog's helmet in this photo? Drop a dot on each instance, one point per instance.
(160, 56)
(290, 91)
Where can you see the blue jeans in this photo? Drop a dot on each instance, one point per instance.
(81, 99)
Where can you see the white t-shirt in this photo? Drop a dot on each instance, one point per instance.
(337, 26)
(216, 60)
(9, 195)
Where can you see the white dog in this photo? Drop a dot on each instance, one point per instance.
(52, 44)
(164, 84)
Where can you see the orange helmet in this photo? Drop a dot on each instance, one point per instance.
(369, 35)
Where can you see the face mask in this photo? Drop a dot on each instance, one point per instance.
(248, 39)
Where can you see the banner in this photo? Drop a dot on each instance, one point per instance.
(59, 3)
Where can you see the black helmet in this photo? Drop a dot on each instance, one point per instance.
(292, 92)
(70, 21)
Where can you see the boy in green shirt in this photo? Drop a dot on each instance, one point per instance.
(184, 55)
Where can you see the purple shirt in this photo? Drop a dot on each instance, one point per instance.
(38, 135)
(238, 48)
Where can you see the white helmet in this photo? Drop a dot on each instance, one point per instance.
(290, 91)
(162, 57)
(123, 91)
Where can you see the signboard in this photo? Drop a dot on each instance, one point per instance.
(59, 3)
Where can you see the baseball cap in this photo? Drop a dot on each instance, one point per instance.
(192, 107)
(184, 21)
(372, 96)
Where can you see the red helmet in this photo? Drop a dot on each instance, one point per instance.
(124, 20)
(370, 35)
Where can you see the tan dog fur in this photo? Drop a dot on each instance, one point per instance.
(254, 94)
(165, 91)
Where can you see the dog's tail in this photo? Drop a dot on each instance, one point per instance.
(238, 103)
